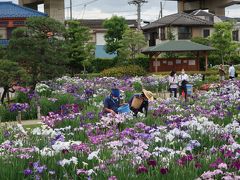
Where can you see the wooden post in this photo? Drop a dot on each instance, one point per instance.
(206, 61)
(38, 112)
(19, 117)
(198, 61)
(156, 67)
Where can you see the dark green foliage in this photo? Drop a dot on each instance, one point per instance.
(130, 70)
(100, 64)
(10, 73)
(115, 26)
(131, 44)
(201, 40)
(80, 49)
(221, 39)
(142, 61)
(39, 48)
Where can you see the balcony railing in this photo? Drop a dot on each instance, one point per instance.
(4, 42)
(182, 36)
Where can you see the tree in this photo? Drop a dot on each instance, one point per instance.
(221, 39)
(115, 26)
(131, 44)
(2, 52)
(80, 49)
(170, 35)
(201, 40)
(10, 73)
(39, 48)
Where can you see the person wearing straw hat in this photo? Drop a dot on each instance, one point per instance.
(112, 102)
(140, 101)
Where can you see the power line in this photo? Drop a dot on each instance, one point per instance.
(138, 3)
(82, 4)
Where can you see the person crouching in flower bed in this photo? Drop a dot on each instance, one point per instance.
(138, 102)
(112, 102)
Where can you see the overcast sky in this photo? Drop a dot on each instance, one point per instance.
(106, 8)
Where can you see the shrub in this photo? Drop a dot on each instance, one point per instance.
(88, 75)
(143, 62)
(100, 64)
(131, 70)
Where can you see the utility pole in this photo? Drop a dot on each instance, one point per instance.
(138, 3)
(71, 10)
(161, 10)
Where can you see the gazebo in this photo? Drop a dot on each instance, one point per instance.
(178, 46)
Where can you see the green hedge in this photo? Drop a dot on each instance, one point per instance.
(131, 70)
(100, 64)
(142, 62)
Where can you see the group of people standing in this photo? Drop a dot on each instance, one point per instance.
(231, 71)
(178, 83)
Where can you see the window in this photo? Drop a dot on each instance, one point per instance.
(192, 62)
(206, 33)
(178, 61)
(235, 35)
(184, 33)
(153, 37)
(3, 23)
(19, 23)
(162, 35)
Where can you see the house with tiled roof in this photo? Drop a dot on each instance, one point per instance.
(182, 26)
(13, 16)
(98, 32)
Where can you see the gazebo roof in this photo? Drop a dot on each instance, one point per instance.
(177, 46)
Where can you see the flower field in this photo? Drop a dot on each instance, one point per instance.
(198, 139)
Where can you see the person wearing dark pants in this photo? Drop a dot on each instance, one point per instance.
(232, 72)
(174, 92)
(173, 83)
(183, 80)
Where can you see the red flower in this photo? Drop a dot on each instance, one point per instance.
(64, 151)
(164, 170)
(152, 162)
(198, 165)
(142, 169)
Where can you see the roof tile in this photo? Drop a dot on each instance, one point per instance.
(177, 20)
(11, 10)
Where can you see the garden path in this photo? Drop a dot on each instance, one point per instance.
(28, 122)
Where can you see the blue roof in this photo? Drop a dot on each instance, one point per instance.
(11, 10)
(101, 53)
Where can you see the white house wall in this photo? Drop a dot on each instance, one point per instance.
(3, 33)
(100, 39)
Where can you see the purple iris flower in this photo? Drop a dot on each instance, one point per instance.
(27, 172)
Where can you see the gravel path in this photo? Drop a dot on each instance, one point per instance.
(28, 122)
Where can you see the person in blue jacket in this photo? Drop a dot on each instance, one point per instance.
(112, 102)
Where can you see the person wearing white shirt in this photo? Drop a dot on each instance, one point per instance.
(183, 80)
(231, 72)
(173, 83)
